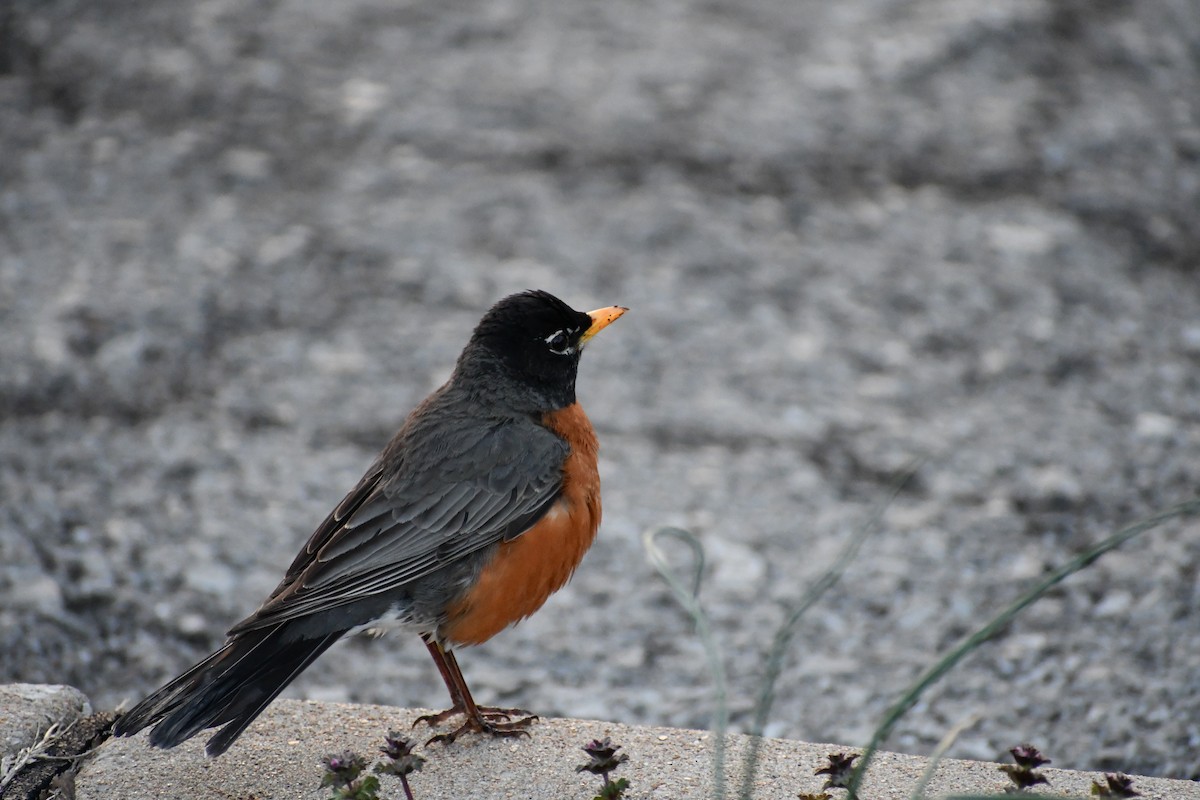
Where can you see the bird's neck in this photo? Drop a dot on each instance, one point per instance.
(493, 382)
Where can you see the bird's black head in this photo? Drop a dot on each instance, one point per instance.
(535, 339)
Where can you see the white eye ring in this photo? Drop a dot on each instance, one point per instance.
(559, 342)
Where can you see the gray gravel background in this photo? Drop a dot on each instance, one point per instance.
(239, 241)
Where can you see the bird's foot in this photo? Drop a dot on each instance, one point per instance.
(488, 713)
(506, 722)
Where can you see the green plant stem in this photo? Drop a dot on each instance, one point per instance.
(935, 757)
(691, 604)
(972, 642)
(783, 636)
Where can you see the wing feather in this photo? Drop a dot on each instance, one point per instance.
(476, 487)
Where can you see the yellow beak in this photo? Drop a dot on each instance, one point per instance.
(601, 319)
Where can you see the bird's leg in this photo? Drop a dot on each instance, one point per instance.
(458, 704)
(490, 712)
(480, 719)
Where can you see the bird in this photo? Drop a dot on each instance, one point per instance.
(479, 508)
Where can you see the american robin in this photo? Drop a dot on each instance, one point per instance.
(479, 508)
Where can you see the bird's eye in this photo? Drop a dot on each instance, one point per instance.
(559, 342)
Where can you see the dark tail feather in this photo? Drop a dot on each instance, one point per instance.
(231, 687)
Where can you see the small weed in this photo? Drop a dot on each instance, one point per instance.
(604, 761)
(11, 765)
(343, 774)
(1117, 785)
(1024, 774)
(401, 760)
(47, 767)
(839, 770)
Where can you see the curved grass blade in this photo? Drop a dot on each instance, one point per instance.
(783, 636)
(972, 642)
(935, 757)
(691, 604)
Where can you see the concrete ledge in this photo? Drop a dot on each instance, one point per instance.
(278, 757)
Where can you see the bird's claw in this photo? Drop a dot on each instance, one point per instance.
(490, 720)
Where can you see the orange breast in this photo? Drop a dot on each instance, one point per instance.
(528, 569)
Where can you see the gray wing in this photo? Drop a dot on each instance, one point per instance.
(428, 501)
